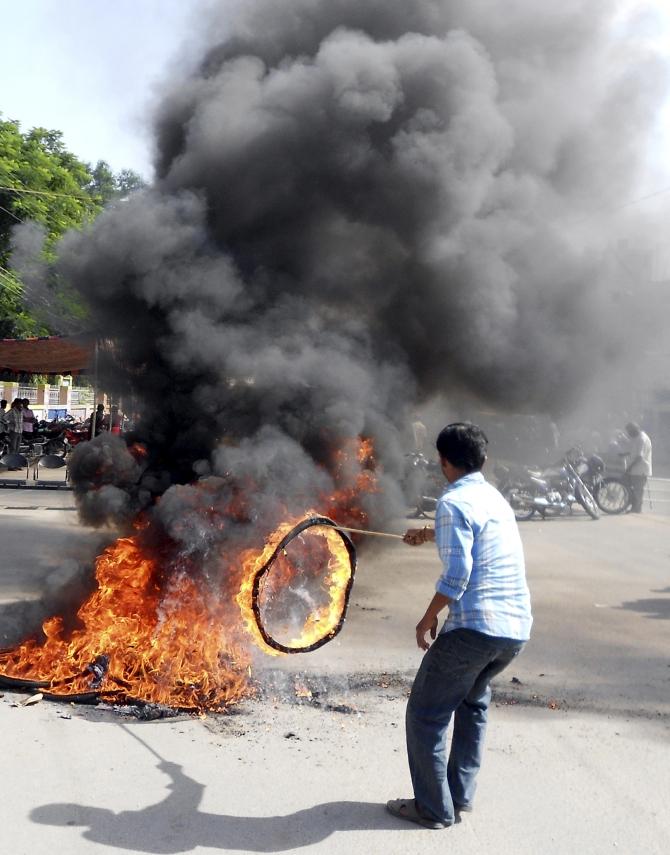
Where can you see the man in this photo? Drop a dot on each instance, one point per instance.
(483, 584)
(98, 421)
(3, 422)
(15, 425)
(115, 420)
(419, 434)
(639, 464)
(28, 420)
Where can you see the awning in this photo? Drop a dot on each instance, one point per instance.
(48, 355)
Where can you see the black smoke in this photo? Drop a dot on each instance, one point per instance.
(358, 204)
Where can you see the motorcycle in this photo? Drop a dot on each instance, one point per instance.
(74, 435)
(59, 437)
(612, 493)
(549, 492)
(49, 436)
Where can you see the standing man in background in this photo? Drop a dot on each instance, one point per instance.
(419, 434)
(639, 464)
(28, 420)
(483, 585)
(15, 425)
(3, 422)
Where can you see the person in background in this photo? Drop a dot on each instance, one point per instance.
(419, 434)
(3, 422)
(15, 425)
(98, 420)
(638, 468)
(115, 421)
(483, 585)
(28, 420)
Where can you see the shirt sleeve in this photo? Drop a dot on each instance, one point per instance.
(454, 538)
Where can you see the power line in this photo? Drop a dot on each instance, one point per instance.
(20, 290)
(11, 214)
(48, 193)
(644, 198)
(10, 284)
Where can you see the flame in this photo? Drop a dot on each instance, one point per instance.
(154, 630)
(323, 620)
(164, 642)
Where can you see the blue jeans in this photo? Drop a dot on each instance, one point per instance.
(453, 678)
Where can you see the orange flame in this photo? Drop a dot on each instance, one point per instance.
(323, 619)
(165, 644)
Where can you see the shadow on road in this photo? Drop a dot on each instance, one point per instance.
(177, 825)
(656, 608)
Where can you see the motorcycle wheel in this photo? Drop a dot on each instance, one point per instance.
(612, 496)
(521, 502)
(427, 507)
(587, 501)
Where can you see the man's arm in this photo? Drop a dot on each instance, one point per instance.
(455, 549)
(428, 622)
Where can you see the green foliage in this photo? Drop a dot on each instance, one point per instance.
(103, 183)
(38, 161)
(127, 181)
(51, 186)
(15, 321)
(106, 186)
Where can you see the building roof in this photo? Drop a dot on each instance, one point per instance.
(48, 355)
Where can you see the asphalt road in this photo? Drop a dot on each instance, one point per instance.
(577, 755)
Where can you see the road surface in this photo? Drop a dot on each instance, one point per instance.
(577, 756)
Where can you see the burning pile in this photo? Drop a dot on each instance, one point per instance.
(156, 629)
(357, 204)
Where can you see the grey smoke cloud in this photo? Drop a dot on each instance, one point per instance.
(359, 203)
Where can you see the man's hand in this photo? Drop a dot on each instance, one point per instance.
(425, 625)
(417, 536)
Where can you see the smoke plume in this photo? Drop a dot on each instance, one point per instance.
(358, 204)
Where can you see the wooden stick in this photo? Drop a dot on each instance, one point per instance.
(364, 531)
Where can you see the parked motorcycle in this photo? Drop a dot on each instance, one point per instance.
(611, 492)
(59, 437)
(549, 492)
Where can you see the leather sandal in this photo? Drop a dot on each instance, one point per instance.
(406, 809)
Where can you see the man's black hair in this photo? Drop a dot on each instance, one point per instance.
(3, 402)
(463, 444)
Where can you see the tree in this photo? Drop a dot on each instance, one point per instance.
(127, 181)
(42, 182)
(103, 183)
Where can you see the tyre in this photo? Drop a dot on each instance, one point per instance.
(521, 501)
(426, 507)
(586, 500)
(612, 496)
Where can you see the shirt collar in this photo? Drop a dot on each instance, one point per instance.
(470, 478)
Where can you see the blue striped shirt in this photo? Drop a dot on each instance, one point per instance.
(484, 574)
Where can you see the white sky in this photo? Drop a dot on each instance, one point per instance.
(90, 67)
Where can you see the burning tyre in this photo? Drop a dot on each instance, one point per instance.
(292, 595)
